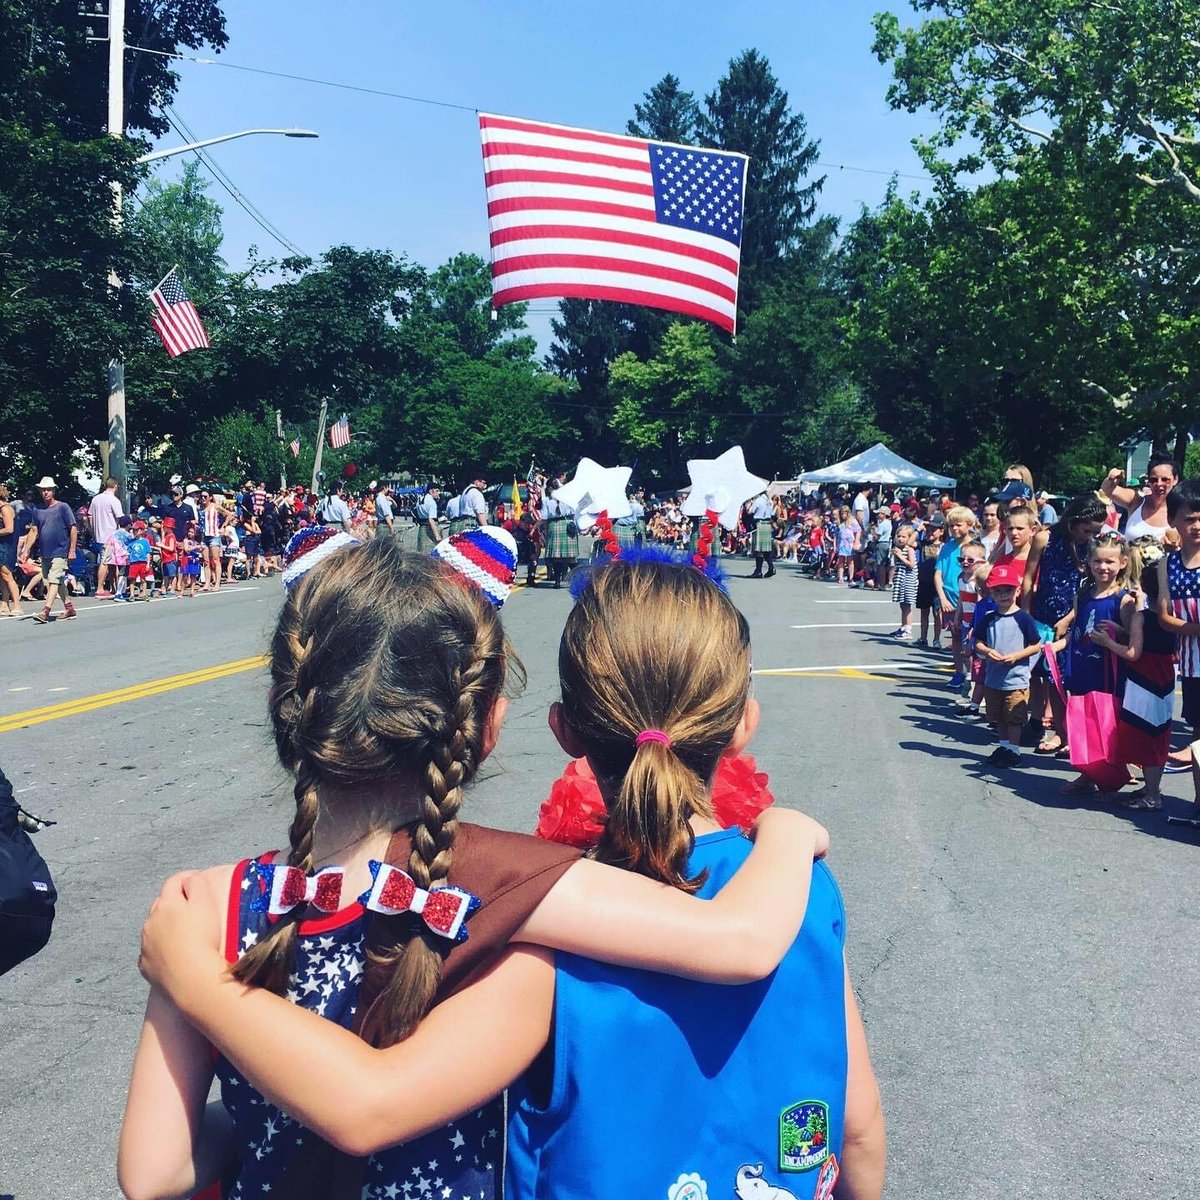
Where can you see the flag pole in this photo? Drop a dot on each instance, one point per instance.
(320, 446)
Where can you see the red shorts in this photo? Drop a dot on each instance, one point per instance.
(139, 570)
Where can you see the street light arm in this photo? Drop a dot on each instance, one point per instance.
(155, 155)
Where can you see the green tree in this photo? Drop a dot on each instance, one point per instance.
(663, 409)
(666, 113)
(749, 112)
(1116, 79)
(60, 322)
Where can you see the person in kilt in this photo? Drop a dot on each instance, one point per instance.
(631, 530)
(762, 542)
(472, 508)
(425, 513)
(560, 532)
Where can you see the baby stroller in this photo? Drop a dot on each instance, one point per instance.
(809, 560)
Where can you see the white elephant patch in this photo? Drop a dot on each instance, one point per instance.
(751, 1185)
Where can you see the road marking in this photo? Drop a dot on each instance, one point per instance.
(56, 689)
(896, 665)
(19, 689)
(855, 601)
(849, 625)
(139, 691)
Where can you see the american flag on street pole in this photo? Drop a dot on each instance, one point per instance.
(294, 447)
(600, 216)
(176, 320)
(339, 434)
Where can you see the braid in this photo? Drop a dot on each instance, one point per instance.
(417, 961)
(269, 962)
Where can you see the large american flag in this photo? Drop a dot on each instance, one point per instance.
(600, 216)
(339, 434)
(175, 319)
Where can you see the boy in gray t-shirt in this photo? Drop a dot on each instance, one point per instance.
(1007, 639)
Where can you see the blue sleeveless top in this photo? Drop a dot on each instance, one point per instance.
(678, 1090)
(465, 1156)
(1090, 668)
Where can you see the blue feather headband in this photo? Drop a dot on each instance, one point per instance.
(651, 553)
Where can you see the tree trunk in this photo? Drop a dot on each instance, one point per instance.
(1181, 443)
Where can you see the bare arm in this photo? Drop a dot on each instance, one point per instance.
(1029, 579)
(1166, 618)
(864, 1138)
(739, 936)
(1116, 491)
(466, 1050)
(167, 1148)
(8, 519)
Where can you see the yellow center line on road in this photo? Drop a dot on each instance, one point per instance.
(139, 691)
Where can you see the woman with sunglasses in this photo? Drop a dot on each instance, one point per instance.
(1146, 515)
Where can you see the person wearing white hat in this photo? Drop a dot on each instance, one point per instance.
(54, 525)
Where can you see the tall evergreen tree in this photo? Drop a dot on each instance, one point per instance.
(749, 112)
(667, 113)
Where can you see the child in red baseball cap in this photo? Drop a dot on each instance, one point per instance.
(1006, 641)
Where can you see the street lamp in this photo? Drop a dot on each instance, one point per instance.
(118, 434)
(155, 155)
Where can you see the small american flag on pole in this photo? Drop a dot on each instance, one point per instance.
(176, 320)
(600, 216)
(294, 447)
(339, 434)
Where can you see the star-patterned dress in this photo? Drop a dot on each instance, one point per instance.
(460, 1161)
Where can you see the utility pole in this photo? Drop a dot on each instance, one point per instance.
(282, 460)
(320, 446)
(116, 367)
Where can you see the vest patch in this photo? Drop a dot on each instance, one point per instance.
(751, 1185)
(827, 1179)
(803, 1135)
(688, 1187)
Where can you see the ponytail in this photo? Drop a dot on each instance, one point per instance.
(647, 828)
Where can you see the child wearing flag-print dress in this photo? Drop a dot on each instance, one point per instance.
(388, 676)
(758, 1122)
(1179, 605)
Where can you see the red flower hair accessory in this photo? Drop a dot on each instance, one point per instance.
(574, 813)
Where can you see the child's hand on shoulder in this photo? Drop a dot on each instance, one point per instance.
(790, 819)
(181, 935)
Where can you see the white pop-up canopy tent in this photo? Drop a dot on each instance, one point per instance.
(878, 465)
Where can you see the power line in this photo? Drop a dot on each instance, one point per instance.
(252, 211)
(352, 87)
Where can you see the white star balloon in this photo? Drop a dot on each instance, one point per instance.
(722, 484)
(594, 489)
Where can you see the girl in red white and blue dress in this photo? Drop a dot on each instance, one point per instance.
(388, 677)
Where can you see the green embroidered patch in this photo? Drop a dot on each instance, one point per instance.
(803, 1135)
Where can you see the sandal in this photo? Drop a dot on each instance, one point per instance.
(1051, 743)
(1077, 787)
(1142, 802)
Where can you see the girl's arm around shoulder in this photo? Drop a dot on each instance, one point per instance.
(739, 936)
(357, 1097)
(167, 1148)
(864, 1140)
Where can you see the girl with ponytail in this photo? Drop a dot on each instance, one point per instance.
(388, 679)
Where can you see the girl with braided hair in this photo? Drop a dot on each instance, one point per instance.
(388, 677)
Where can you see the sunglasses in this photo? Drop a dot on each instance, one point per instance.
(969, 562)
(1109, 535)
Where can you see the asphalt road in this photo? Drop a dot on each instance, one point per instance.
(1028, 968)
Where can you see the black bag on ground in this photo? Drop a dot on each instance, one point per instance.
(27, 893)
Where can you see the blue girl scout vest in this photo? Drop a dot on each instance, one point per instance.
(673, 1090)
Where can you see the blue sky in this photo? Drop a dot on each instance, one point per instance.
(406, 177)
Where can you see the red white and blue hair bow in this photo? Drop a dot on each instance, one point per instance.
(443, 909)
(287, 887)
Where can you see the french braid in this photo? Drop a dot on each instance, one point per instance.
(384, 671)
